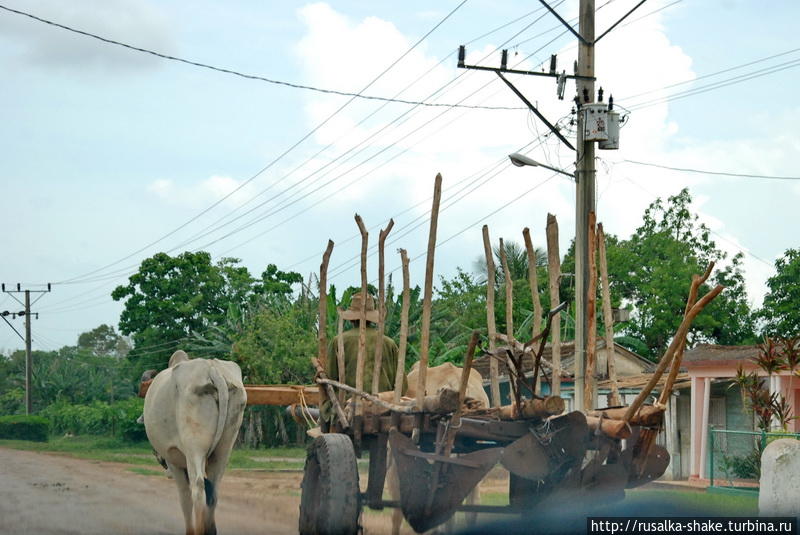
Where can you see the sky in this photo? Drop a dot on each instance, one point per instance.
(110, 155)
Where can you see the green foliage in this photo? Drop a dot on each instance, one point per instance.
(22, 427)
(12, 401)
(742, 466)
(652, 272)
(98, 418)
(780, 311)
(104, 341)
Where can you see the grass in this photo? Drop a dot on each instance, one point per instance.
(710, 503)
(145, 471)
(98, 448)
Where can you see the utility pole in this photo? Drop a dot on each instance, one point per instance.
(585, 201)
(28, 357)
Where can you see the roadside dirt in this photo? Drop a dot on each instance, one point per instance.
(52, 494)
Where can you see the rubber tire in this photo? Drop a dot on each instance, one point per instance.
(330, 501)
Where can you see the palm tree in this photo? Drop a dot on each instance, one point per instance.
(517, 258)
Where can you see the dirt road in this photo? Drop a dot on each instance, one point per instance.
(52, 494)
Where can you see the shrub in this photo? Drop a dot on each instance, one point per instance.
(22, 427)
(98, 418)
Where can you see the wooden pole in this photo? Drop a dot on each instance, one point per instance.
(697, 281)
(376, 369)
(509, 286)
(554, 275)
(491, 327)
(362, 324)
(340, 363)
(323, 306)
(401, 354)
(677, 341)
(608, 318)
(591, 318)
(533, 282)
(428, 293)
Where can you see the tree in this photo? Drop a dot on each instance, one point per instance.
(781, 308)
(653, 269)
(105, 341)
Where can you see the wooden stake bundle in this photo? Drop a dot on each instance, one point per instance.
(428, 292)
(340, 363)
(554, 274)
(491, 327)
(591, 317)
(376, 368)
(401, 355)
(608, 319)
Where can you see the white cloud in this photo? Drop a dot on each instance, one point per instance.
(200, 194)
(129, 21)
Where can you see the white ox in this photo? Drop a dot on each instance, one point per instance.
(445, 375)
(192, 414)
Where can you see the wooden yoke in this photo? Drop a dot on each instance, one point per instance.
(428, 295)
(376, 368)
(401, 354)
(362, 337)
(491, 327)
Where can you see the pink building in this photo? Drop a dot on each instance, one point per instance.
(711, 369)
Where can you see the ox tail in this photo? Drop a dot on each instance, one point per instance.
(222, 398)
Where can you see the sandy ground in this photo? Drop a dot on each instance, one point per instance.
(43, 493)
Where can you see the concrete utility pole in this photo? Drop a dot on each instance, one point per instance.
(28, 362)
(585, 201)
(28, 357)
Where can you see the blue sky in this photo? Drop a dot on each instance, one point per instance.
(106, 150)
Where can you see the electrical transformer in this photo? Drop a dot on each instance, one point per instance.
(612, 143)
(595, 122)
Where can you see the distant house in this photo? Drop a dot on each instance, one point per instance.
(715, 401)
(628, 364)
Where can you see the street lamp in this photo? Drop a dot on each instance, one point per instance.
(520, 160)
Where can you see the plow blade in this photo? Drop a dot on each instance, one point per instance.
(423, 506)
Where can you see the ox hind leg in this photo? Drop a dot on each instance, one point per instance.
(195, 468)
(181, 479)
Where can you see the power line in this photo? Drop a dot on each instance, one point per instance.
(126, 269)
(274, 161)
(716, 173)
(255, 76)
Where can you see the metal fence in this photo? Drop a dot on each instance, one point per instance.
(735, 456)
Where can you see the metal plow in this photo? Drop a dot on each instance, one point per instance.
(433, 486)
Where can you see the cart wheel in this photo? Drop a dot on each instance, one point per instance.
(330, 502)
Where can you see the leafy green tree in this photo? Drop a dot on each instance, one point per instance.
(781, 308)
(104, 340)
(652, 272)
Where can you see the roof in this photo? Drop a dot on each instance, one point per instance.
(481, 364)
(717, 354)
